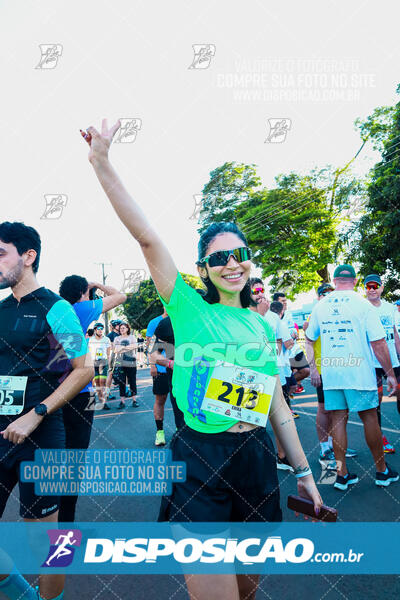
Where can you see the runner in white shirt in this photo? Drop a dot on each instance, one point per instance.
(349, 327)
(284, 341)
(297, 358)
(100, 350)
(387, 313)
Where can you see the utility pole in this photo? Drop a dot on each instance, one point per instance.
(104, 283)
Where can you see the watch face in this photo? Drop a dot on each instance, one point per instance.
(41, 409)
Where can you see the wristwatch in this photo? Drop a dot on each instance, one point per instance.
(41, 409)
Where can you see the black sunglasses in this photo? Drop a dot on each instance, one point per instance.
(221, 257)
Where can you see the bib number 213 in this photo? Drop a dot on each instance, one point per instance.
(239, 396)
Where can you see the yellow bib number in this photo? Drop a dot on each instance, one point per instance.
(234, 394)
(249, 401)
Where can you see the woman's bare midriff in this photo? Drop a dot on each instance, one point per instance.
(241, 427)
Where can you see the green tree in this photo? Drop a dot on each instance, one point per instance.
(376, 243)
(292, 230)
(229, 185)
(145, 304)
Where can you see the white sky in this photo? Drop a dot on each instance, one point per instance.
(130, 59)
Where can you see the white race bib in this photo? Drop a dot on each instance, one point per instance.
(239, 393)
(12, 394)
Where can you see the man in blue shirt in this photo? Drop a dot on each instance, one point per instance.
(78, 414)
(160, 384)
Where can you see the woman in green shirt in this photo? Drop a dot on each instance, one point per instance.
(225, 355)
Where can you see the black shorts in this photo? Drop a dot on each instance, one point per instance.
(230, 477)
(320, 393)
(299, 361)
(49, 434)
(160, 384)
(290, 381)
(100, 370)
(380, 375)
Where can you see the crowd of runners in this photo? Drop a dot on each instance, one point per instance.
(224, 345)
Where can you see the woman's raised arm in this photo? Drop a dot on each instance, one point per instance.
(161, 265)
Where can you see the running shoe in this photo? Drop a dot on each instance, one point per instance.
(135, 404)
(110, 397)
(106, 407)
(384, 480)
(350, 453)
(160, 438)
(294, 414)
(299, 389)
(326, 456)
(387, 448)
(283, 464)
(121, 405)
(342, 483)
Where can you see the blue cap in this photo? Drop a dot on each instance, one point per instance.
(373, 277)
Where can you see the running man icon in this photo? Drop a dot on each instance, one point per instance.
(61, 553)
(62, 549)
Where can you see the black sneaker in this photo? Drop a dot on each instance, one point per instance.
(342, 483)
(283, 464)
(384, 480)
(106, 407)
(110, 397)
(135, 404)
(121, 405)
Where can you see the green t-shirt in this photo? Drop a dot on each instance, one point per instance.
(204, 334)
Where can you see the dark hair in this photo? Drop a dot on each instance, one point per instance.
(23, 237)
(72, 288)
(254, 280)
(276, 307)
(278, 295)
(90, 331)
(126, 325)
(211, 296)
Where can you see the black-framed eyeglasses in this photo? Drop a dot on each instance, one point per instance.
(220, 258)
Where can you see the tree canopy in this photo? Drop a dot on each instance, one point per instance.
(145, 304)
(376, 244)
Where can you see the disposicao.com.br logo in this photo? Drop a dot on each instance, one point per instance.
(213, 550)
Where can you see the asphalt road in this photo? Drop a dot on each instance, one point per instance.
(134, 428)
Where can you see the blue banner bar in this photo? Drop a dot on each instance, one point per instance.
(164, 548)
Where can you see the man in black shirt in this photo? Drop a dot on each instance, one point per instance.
(165, 340)
(115, 323)
(40, 339)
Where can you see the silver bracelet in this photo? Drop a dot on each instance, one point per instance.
(299, 475)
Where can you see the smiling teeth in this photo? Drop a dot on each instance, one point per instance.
(232, 276)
